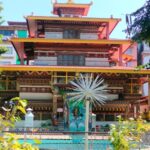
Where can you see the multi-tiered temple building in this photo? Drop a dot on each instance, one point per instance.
(62, 46)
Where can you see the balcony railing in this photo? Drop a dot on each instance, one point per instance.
(71, 140)
(6, 94)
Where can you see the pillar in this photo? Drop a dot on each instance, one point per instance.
(54, 104)
(55, 77)
(131, 86)
(40, 115)
(127, 111)
(17, 85)
(66, 81)
(7, 82)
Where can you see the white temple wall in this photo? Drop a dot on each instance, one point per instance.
(49, 61)
(53, 35)
(35, 96)
(90, 36)
(52, 61)
(59, 35)
(99, 62)
(36, 123)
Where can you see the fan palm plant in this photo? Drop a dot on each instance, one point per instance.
(89, 90)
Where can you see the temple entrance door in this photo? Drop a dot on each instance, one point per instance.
(60, 113)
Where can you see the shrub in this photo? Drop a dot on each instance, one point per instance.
(128, 133)
(9, 141)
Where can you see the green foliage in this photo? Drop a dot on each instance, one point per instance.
(1, 9)
(127, 134)
(9, 141)
(3, 50)
(140, 28)
(140, 67)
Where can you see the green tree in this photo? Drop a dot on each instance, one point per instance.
(9, 141)
(127, 134)
(140, 28)
(2, 48)
(1, 9)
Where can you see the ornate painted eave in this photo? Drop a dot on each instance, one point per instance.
(19, 43)
(86, 19)
(75, 41)
(13, 27)
(115, 70)
(32, 21)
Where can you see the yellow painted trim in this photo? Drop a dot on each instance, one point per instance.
(66, 77)
(73, 19)
(73, 69)
(74, 5)
(70, 41)
(2, 43)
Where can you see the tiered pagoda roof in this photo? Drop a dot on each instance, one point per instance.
(99, 24)
(51, 45)
(38, 25)
(93, 43)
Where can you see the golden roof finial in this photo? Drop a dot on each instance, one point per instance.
(70, 1)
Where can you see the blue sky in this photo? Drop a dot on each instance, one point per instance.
(14, 10)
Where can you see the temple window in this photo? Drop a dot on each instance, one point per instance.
(7, 84)
(45, 116)
(7, 32)
(2, 85)
(37, 116)
(71, 34)
(11, 85)
(41, 116)
(71, 60)
(132, 86)
(99, 117)
(109, 117)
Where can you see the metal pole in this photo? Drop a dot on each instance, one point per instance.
(86, 124)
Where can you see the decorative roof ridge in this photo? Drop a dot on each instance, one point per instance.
(54, 17)
(84, 40)
(75, 41)
(107, 68)
(13, 27)
(17, 23)
(70, 8)
(70, 2)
